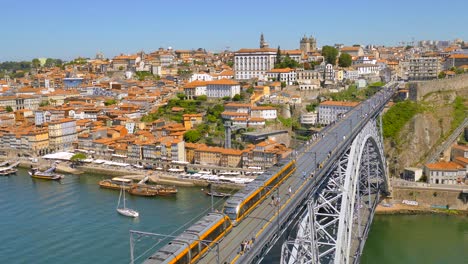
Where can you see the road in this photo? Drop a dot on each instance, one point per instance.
(262, 222)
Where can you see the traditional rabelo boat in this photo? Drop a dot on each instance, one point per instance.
(152, 190)
(116, 183)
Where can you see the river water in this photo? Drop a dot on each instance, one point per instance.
(74, 221)
(412, 239)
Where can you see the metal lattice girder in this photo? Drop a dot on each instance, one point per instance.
(340, 213)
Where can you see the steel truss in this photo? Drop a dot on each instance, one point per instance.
(335, 226)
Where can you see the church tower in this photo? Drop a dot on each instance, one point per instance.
(263, 44)
(313, 43)
(305, 45)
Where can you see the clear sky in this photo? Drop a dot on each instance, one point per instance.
(70, 28)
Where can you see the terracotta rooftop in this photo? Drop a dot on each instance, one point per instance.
(339, 103)
(443, 165)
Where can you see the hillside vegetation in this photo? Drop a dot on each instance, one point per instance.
(412, 130)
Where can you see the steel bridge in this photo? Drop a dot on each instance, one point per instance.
(326, 207)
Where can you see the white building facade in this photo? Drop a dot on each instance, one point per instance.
(330, 111)
(253, 63)
(222, 88)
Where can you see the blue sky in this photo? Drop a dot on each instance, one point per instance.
(67, 29)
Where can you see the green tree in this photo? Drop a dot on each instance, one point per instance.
(36, 63)
(441, 75)
(192, 136)
(181, 96)
(226, 98)
(345, 60)
(78, 157)
(330, 53)
(110, 102)
(230, 63)
(49, 63)
(202, 98)
(44, 103)
(278, 56)
(237, 98)
(9, 109)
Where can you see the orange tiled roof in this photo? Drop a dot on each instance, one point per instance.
(339, 103)
(443, 165)
(284, 70)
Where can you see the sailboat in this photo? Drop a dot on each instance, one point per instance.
(125, 211)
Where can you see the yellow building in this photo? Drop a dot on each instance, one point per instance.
(192, 119)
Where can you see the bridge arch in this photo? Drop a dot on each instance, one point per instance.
(335, 226)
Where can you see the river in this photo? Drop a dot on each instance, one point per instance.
(74, 221)
(413, 239)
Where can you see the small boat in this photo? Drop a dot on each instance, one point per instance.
(7, 171)
(216, 194)
(116, 183)
(124, 210)
(49, 174)
(152, 190)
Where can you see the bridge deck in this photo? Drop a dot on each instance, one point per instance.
(264, 217)
(259, 220)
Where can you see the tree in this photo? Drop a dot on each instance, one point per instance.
(110, 102)
(9, 109)
(181, 96)
(49, 63)
(36, 63)
(78, 157)
(345, 60)
(283, 84)
(226, 98)
(192, 136)
(278, 56)
(202, 98)
(330, 53)
(441, 75)
(237, 98)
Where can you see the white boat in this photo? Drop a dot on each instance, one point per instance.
(124, 210)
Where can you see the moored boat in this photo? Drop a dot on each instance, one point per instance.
(152, 190)
(45, 175)
(116, 183)
(124, 210)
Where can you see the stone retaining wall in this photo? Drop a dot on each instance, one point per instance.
(417, 90)
(427, 197)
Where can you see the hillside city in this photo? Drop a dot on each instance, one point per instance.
(227, 111)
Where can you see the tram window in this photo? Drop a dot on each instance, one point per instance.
(194, 251)
(183, 259)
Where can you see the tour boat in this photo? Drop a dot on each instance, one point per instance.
(49, 174)
(124, 210)
(116, 183)
(152, 190)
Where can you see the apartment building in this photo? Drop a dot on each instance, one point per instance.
(445, 172)
(330, 111)
(424, 68)
(62, 134)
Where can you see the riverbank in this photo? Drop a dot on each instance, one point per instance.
(157, 177)
(402, 209)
